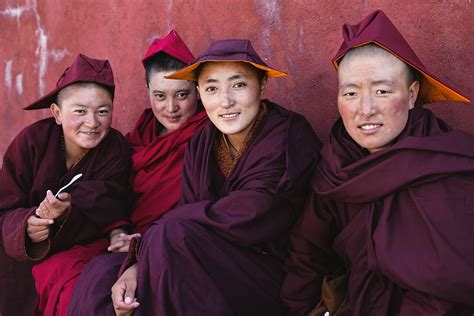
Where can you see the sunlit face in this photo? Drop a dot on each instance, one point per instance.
(85, 114)
(173, 101)
(374, 98)
(231, 93)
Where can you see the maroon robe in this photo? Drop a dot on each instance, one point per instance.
(33, 163)
(400, 221)
(156, 180)
(220, 252)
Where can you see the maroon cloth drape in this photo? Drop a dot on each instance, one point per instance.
(157, 166)
(156, 180)
(400, 220)
(35, 162)
(220, 252)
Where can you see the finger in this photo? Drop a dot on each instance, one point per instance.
(130, 237)
(35, 221)
(64, 197)
(123, 249)
(116, 245)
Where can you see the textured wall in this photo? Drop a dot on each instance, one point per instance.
(39, 38)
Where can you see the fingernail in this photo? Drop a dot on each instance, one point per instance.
(51, 222)
(128, 300)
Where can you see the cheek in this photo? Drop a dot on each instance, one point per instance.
(346, 112)
(188, 107)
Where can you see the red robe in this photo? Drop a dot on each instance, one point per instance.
(399, 222)
(33, 163)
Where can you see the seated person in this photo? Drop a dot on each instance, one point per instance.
(388, 227)
(45, 156)
(158, 141)
(245, 180)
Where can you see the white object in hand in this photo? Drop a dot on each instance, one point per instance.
(77, 176)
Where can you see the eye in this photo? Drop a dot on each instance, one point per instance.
(211, 89)
(239, 85)
(349, 94)
(382, 92)
(182, 95)
(79, 111)
(159, 96)
(103, 112)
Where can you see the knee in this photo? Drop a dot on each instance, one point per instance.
(172, 230)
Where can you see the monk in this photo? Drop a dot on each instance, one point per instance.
(35, 222)
(388, 226)
(245, 180)
(158, 141)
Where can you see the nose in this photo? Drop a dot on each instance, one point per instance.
(172, 105)
(91, 121)
(367, 105)
(226, 99)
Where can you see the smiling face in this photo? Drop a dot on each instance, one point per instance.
(231, 93)
(173, 101)
(85, 113)
(375, 97)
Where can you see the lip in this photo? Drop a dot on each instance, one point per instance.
(90, 133)
(173, 119)
(369, 128)
(229, 116)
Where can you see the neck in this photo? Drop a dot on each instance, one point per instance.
(74, 154)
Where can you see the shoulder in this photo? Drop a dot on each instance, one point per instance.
(37, 134)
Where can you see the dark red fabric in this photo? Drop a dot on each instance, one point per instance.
(220, 252)
(171, 44)
(157, 165)
(83, 69)
(378, 29)
(34, 163)
(400, 220)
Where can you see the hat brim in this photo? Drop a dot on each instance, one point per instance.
(45, 101)
(432, 91)
(189, 72)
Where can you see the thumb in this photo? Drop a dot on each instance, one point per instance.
(130, 293)
(64, 196)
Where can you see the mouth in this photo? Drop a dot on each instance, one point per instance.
(370, 127)
(90, 133)
(229, 116)
(174, 118)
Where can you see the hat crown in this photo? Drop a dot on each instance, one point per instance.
(171, 44)
(231, 49)
(377, 28)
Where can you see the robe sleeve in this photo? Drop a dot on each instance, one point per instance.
(310, 257)
(15, 182)
(264, 199)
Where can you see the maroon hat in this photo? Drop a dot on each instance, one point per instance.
(377, 29)
(172, 45)
(84, 69)
(227, 50)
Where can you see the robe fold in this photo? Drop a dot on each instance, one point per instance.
(220, 252)
(157, 163)
(399, 220)
(34, 163)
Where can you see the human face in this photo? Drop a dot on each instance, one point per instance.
(375, 98)
(231, 93)
(173, 101)
(85, 114)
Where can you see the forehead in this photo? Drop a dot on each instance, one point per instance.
(372, 64)
(85, 93)
(225, 70)
(159, 82)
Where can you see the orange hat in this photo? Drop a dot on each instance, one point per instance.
(227, 50)
(377, 29)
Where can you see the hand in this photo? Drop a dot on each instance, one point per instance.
(123, 292)
(120, 241)
(38, 228)
(52, 207)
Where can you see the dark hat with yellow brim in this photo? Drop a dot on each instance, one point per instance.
(230, 50)
(377, 29)
(84, 69)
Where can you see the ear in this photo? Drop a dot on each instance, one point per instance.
(413, 93)
(263, 85)
(56, 111)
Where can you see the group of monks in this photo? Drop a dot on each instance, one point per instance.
(220, 202)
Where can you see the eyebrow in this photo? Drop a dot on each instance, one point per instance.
(346, 85)
(234, 77)
(180, 90)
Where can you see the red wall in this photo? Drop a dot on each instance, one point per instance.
(39, 38)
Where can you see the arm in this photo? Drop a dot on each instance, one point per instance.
(310, 257)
